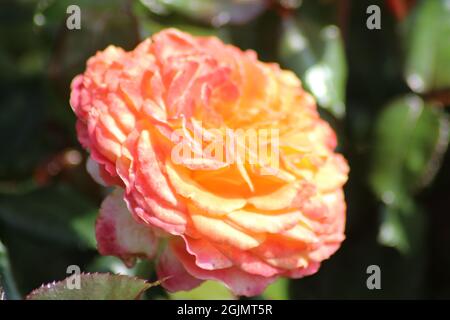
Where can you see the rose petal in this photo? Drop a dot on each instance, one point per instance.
(285, 197)
(118, 234)
(173, 275)
(312, 268)
(249, 262)
(238, 281)
(257, 222)
(221, 232)
(93, 169)
(203, 199)
(206, 255)
(333, 174)
(155, 180)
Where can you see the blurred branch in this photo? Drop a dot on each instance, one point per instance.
(400, 8)
(442, 97)
(343, 16)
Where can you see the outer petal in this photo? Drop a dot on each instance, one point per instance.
(207, 256)
(173, 275)
(100, 175)
(333, 234)
(248, 262)
(118, 234)
(93, 168)
(333, 174)
(238, 281)
(312, 268)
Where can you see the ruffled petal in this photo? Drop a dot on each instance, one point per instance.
(202, 198)
(172, 273)
(239, 282)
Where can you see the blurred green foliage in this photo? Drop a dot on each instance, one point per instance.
(384, 91)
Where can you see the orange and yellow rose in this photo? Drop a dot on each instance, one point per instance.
(228, 221)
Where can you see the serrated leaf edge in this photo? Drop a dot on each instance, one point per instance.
(50, 285)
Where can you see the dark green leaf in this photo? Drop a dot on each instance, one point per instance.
(402, 227)
(214, 12)
(317, 56)
(428, 47)
(148, 26)
(7, 283)
(410, 139)
(327, 79)
(296, 50)
(56, 213)
(95, 286)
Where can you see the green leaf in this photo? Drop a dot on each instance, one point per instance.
(279, 290)
(428, 47)
(143, 269)
(327, 79)
(214, 12)
(410, 139)
(8, 286)
(95, 286)
(296, 49)
(402, 227)
(212, 290)
(317, 55)
(56, 213)
(147, 27)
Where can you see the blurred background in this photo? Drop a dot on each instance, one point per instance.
(384, 90)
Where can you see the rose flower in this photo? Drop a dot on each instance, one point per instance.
(244, 220)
